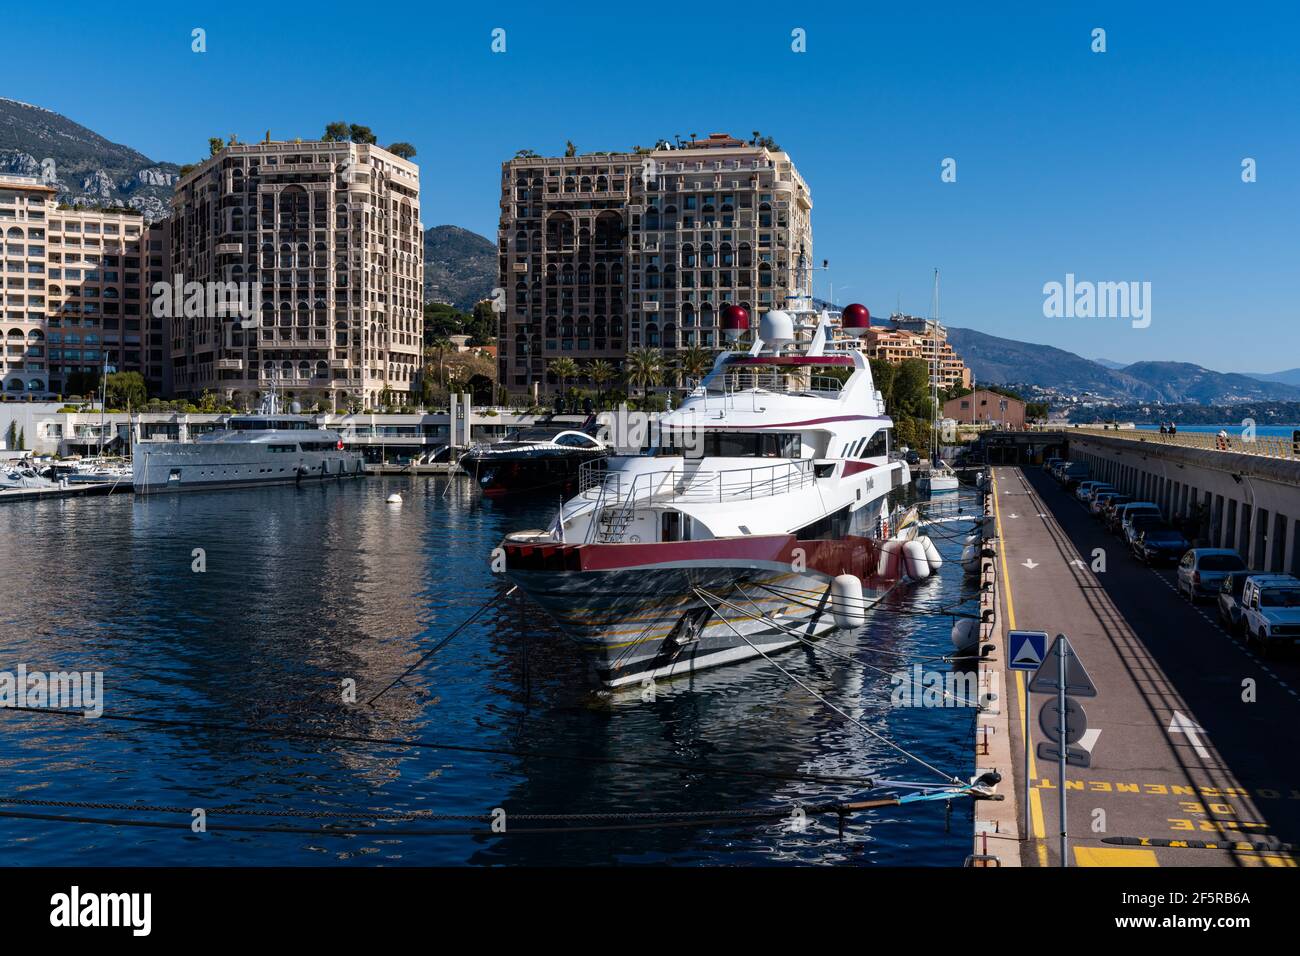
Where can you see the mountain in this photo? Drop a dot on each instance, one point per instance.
(1108, 363)
(1290, 377)
(460, 266)
(1184, 382)
(999, 361)
(87, 169)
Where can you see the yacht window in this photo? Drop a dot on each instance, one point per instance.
(878, 446)
(752, 445)
(282, 448)
(833, 526)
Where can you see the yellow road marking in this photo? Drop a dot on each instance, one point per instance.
(1035, 801)
(1113, 856)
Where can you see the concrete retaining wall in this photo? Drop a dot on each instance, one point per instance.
(1247, 502)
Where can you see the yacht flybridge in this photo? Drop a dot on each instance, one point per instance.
(756, 519)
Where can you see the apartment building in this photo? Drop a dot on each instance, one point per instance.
(605, 252)
(323, 244)
(74, 293)
(912, 337)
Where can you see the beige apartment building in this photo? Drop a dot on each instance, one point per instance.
(325, 244)
(605, 252)
(74, 293)
(912, 337)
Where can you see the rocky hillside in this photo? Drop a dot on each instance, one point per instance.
(460, 267)
(86, 168)
(998, 361)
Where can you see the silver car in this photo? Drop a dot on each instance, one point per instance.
(1202, 570)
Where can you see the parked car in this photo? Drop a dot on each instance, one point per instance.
(1111, 504)
(912, 458)
(1202, 570)
(1135, 524)
(1101, 499)
(1270, 611)
(1160, 543)
(1050, 463)
(1230, 600)
(1074, 473)
(1123, 512)
(1091, 489)
(1083, 486)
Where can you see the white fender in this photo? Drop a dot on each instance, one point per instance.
(918, 568)
(965, 634)
(891, 553)
(848, 608)
(932, 556)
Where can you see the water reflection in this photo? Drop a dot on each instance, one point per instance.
(307, 589)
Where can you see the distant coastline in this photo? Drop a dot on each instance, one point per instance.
(1232, 428)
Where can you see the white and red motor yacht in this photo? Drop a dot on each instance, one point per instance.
(755, 517)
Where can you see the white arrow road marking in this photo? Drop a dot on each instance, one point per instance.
(1079, 563)
(1191, 730)
(1041, 515)
(1013, 516)
(1030, 563)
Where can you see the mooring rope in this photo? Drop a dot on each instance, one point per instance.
(705, 596)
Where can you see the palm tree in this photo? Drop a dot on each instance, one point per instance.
(694, 360)
(563, 368)
(437, 352)
(600, 372)
(644, 367)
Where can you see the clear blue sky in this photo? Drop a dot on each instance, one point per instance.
(1117, 166)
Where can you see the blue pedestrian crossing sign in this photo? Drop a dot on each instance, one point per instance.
(1027, 649)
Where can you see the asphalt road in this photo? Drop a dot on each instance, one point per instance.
(1162, 667)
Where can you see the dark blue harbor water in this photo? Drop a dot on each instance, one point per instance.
(305, 589)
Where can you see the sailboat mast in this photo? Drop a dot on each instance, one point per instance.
(934, 374)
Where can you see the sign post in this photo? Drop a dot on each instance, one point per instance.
(1062, 673)
(1027, 650)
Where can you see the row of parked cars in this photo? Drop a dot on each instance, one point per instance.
(1264, 608)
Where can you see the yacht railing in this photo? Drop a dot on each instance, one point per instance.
(794, 382)
(687, 484)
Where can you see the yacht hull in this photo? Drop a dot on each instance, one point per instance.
(657, 610)
(166, 467)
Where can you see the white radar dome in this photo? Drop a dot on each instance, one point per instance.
(776, 329)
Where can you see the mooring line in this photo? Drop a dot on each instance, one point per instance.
(440, 645)
(705, 595)
(820, 647)
(283, 733)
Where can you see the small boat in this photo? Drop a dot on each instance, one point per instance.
(940, 477)
(535, 460)
(22, 475)
(93, 471)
